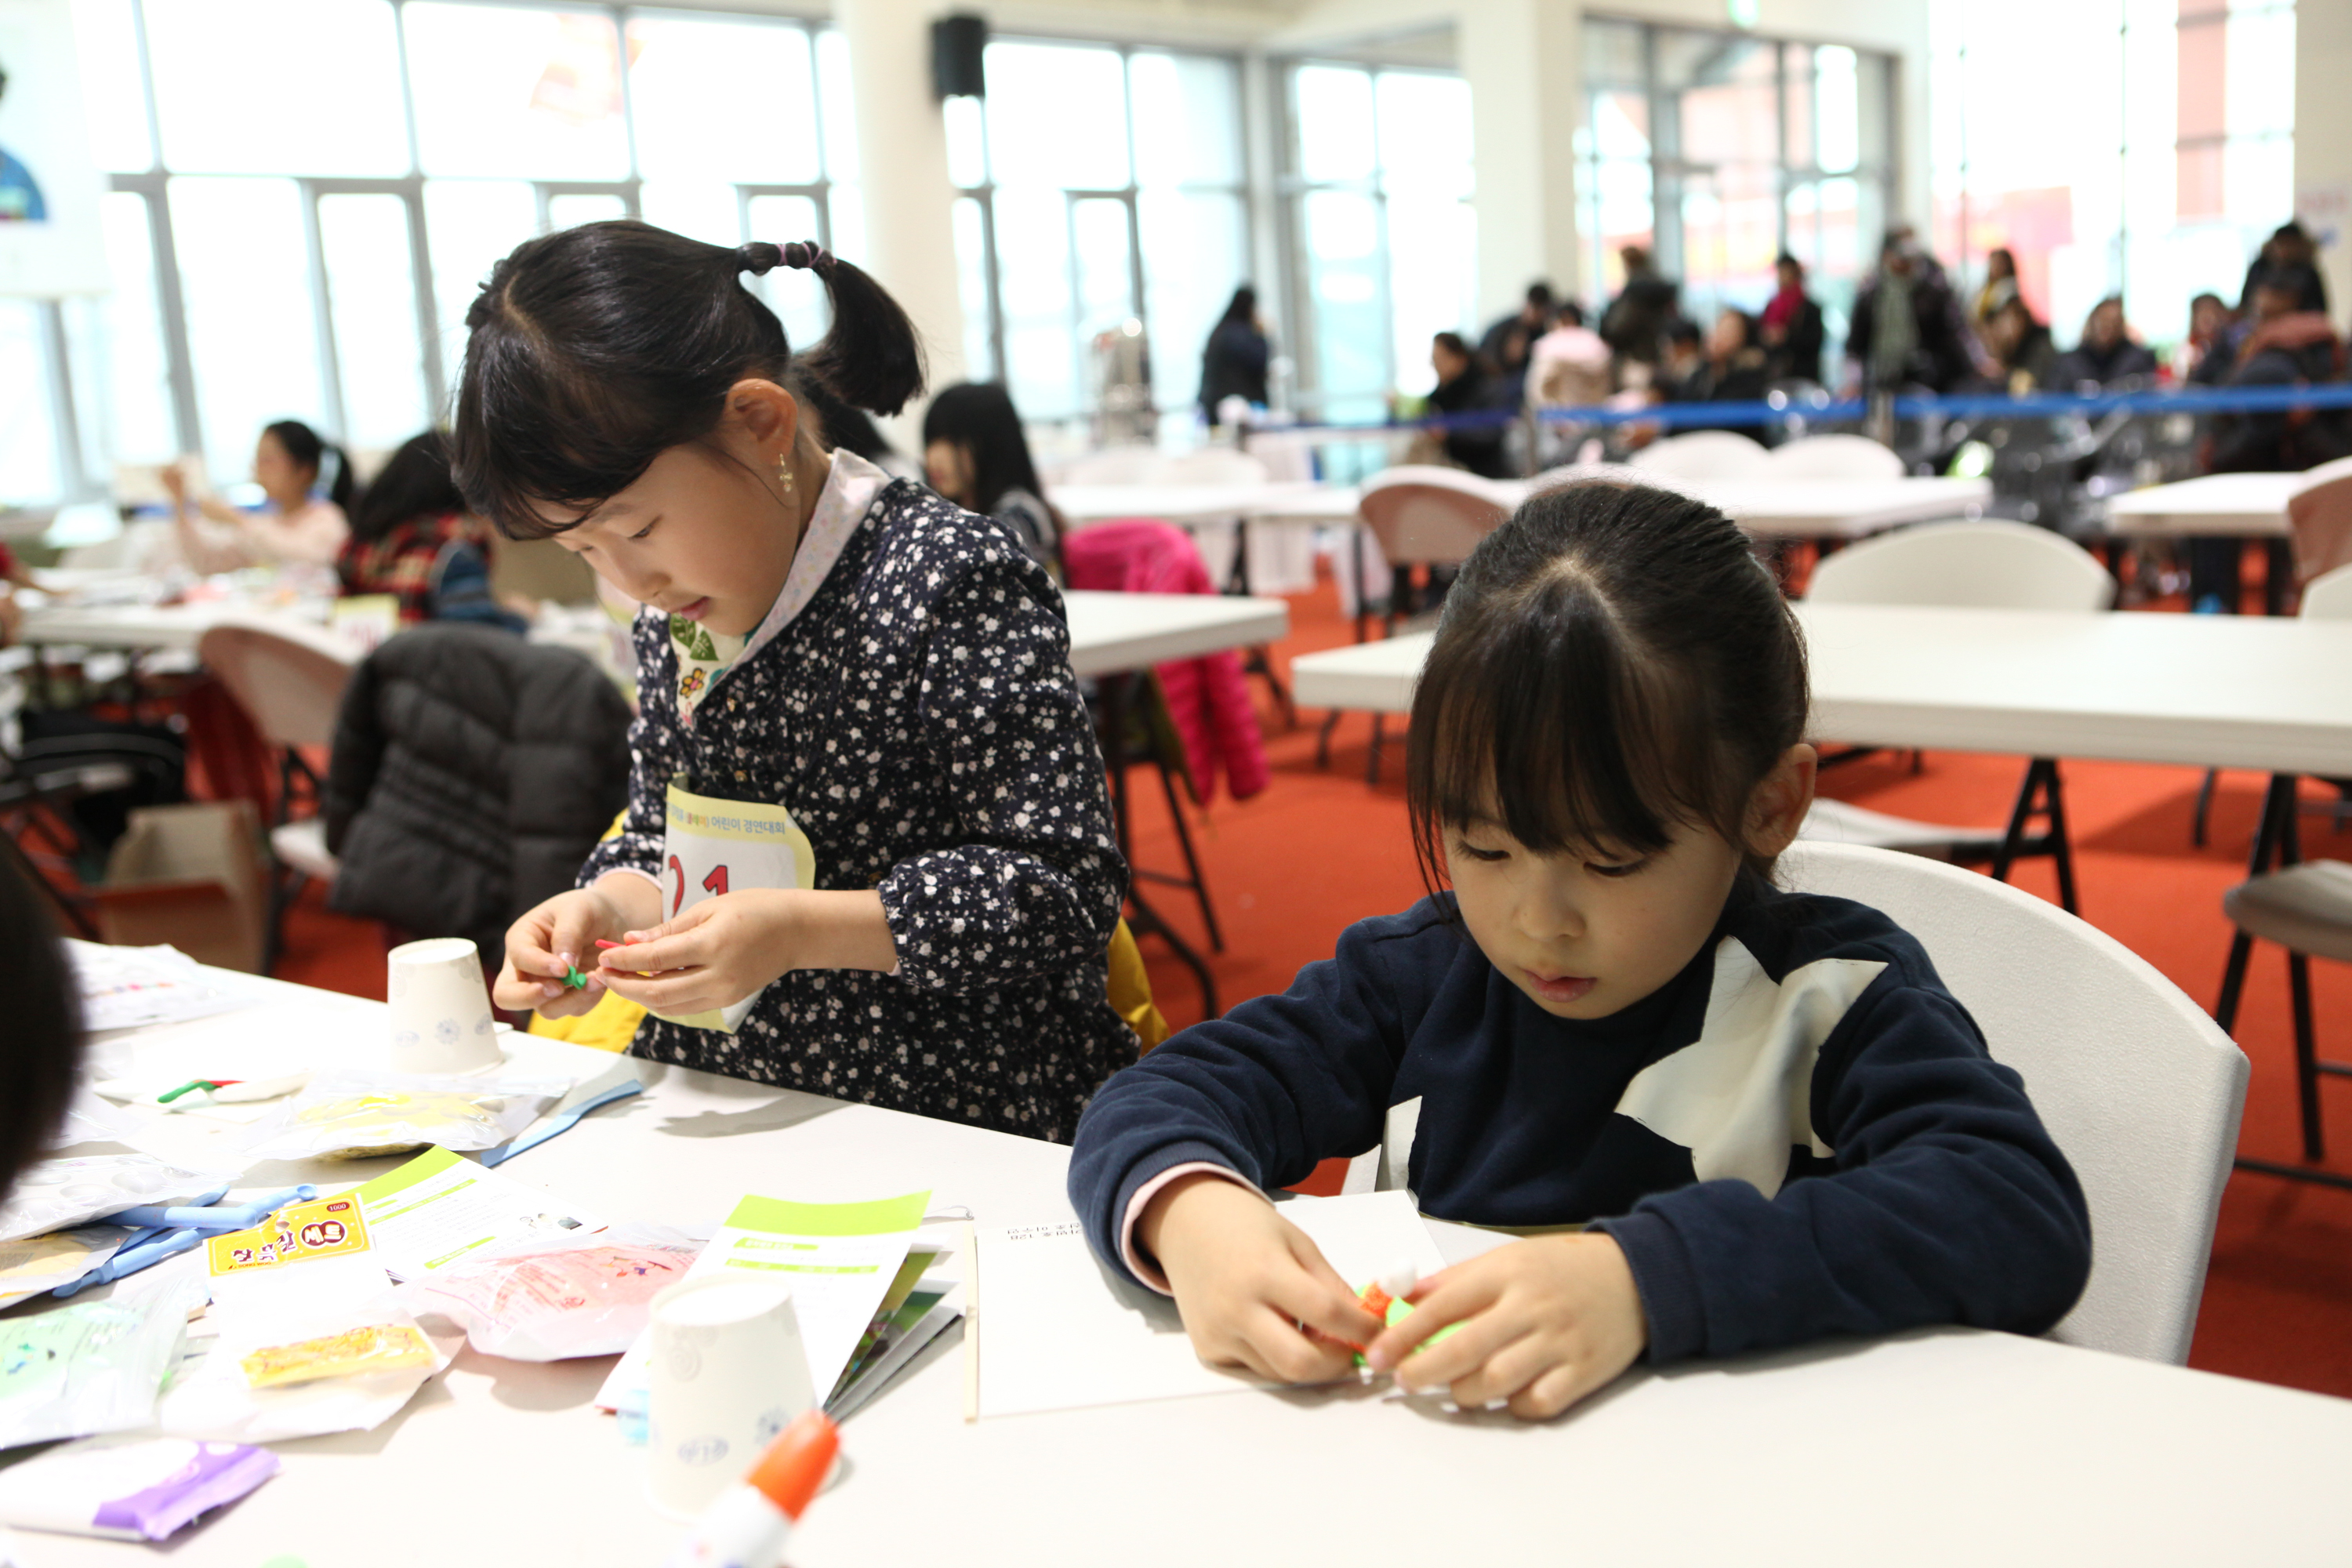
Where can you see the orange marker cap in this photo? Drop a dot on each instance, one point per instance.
(797, 1462)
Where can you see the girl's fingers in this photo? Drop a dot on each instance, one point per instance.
(1550, 1393)
(1289, 1356)
(1457, 1355)
(683, 992)
(1504, 1373)
(1324, 1304)
(1439, 1302)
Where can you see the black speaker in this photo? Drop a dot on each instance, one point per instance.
(957, 43)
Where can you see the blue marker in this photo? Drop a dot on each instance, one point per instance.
(132, 1259)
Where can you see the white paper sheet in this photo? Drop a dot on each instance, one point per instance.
(130, 987)
(1058, 1331)
(441, 1208)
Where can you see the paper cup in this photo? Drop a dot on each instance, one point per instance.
(728, 1373)
(441, 1019)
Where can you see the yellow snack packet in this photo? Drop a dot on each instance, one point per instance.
(377, 1347)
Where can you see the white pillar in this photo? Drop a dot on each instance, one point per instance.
(902, 172)
(2322, 139)
(1523, 66)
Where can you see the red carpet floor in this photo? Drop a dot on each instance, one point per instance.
(1320, 848)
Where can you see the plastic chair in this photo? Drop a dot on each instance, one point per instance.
(1703, 455)
(1836, 455)
(2321, 516)
(2139, 1089)
(1991, 565)
(1421, 515)
(1117, 466)
(2326, 596)
(289, 676)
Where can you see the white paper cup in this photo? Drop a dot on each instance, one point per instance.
(441, 1020)
(728, 1373)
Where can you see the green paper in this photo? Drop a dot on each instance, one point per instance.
(1398, 1310)
(879, 1217)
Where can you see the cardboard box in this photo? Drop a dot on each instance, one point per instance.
(193, 876)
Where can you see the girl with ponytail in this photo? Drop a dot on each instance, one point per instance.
(296, 525)
(831, 663)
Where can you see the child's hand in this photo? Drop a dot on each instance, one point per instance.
(1247, 1280)
(1545, 1321)
(550, 940)
(711, 956)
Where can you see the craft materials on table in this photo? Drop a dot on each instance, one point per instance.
(129, 1487)
(726, 1375)
(1059, 1331)
(130, 987)
(592, 1096)
(353, 1115)
(60, 1193)
(92, 1366)
(555, 1297)
(439, 1210)
(839, 1260)
(441, 1019)
(34, 1264)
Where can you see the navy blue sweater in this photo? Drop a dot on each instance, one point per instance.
(1801, 1134)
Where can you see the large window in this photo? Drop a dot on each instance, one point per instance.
(1062, 236)
(1383, 237)
(1716, 152)
(305, 243)
(2158, 153)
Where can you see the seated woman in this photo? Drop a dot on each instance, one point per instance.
(295, 527)
(978, 457)
(413, 538)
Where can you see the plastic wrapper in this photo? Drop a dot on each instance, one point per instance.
(93, 1366)
(37, 1263)
(360, 1115)
(129, 1487)
(320, 1340)
(553, 1300)
(59, 1195)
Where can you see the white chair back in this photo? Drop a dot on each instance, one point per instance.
(1117, 466)
(1988, 564)
(288, 674)
(1209, 465)
(2140, 1090)
(1703, 455)
(2341, 467)
(1430, 515)
(1836, 455)
(2329, 598)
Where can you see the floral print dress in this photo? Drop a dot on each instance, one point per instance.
(909, 701)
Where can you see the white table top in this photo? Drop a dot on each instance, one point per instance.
(1109, 632)
(1273, 498)
(2247, 691)
(1951, 1447)
(2213, 505)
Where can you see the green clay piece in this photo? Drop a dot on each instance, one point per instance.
(574, 979)
(1398, 1313)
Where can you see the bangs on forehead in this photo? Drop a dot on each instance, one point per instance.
(560, 447)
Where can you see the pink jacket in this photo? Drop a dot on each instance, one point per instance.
(1207, 698)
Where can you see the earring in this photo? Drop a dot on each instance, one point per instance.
(785, 471)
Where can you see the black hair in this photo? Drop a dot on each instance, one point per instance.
(979, 417)
(1539, 293)
(838, 426)
(415, 482)
(596, 349)
(310, 450)
(1452, 343)
(1785, 259)
(40, 1050)
(1571, 312)
(1683, 330)
(1242, 307)
(1612, 661)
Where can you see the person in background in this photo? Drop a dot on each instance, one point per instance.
(1637, 321)
(1999, 287)
(413, 538)
(1906, 328)
(2289, 260)
(1236, 358)
(977, 455)
(295, 527)
(1505, 349)
(1461, 389)
(1683, 374)
(2106, 355)
(2205, 355)
(40, 1050)
(2024, 357)
(13, 574)
(1568, 366)
(1790, 327)
(1737, 365)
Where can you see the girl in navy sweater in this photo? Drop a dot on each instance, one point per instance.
(1724, 1117)
(828, 660)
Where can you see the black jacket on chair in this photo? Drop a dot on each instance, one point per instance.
(472, 774)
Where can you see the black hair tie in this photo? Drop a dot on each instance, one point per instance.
(757, 257)
(808, 254)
